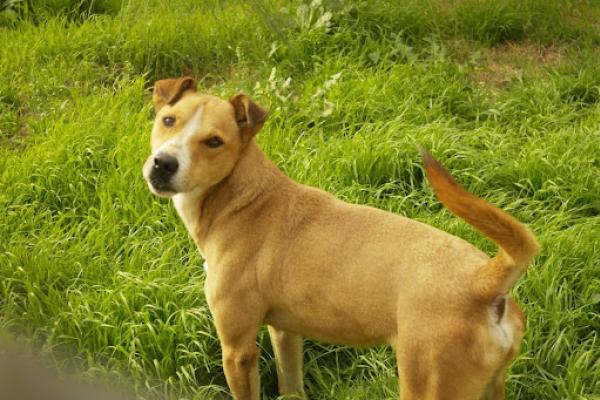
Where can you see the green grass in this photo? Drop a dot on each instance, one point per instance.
(101, 276)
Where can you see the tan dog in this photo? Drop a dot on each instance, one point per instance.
(307, 264)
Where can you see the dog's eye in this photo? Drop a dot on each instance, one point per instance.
(213, 142)
(169, 121)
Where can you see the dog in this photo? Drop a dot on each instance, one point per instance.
(306, 264)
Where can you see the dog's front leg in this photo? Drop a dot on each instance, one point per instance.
(288, 357)
(238, 328)
(241, 370)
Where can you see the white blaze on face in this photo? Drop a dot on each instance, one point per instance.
(193, 124)
(189, 130)
(178, 148)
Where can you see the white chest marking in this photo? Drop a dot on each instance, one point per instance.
(187, 205)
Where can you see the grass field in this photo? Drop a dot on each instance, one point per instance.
(101, 277)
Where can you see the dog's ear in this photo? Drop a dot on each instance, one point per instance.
(169, 91)
(249, 116)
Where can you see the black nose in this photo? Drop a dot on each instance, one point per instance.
(165, 165)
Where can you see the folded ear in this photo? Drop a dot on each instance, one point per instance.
(169, 91)
(249, 116)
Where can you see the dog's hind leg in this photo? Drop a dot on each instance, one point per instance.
(417, 383)
(495, 389)
(428, 371)
(288, 358)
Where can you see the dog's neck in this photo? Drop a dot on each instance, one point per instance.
(250, 179)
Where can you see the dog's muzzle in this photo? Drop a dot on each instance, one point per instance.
(164, 168)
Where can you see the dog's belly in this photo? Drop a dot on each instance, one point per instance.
(330, 331)
(329, 315)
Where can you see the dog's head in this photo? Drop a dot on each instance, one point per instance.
(196, 139)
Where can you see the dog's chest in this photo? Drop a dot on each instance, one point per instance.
(188, 208)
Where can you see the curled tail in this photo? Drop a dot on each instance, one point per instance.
(517, 244)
